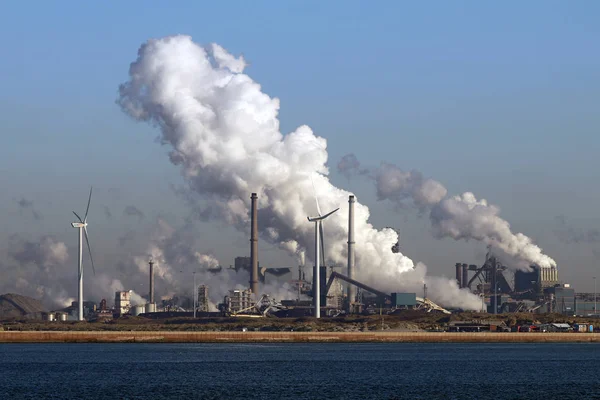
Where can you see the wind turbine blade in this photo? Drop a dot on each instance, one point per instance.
(87, 240)
(328, 214)
(88, 206)
(315, 193)
(78, 217)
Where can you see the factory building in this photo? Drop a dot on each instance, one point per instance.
(203, 298)
(404, 301)
(89, 308)
(536, 280)
(122, 302)
(586, 304)
(238, 300)
(562, 299)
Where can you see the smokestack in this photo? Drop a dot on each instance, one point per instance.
(351, 289)
(254, 246)
(151, 294)
(459, 274)
(465, 276)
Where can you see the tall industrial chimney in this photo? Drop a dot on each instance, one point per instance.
(351, 289)
(459, 274)
(254, 246)
(465, 275)
(151, 294)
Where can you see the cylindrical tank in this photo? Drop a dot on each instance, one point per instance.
(150, 307)
(50, 317)
(459, 274)
(63, 317)
(137, 310)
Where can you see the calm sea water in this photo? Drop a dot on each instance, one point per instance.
(299, 371)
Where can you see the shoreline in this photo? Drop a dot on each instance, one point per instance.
(291, 337)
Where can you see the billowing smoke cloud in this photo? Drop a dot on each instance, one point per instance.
(176, 258)
(465, 217)
(38, 272)
(42, 269)
(398, 186)
(133, 211)
(206, 261)
(224, 134)
(27, 205)
(350, 166)
(45, 254)
(459, 217)
(569, 234)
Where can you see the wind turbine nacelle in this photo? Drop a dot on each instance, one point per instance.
(77, 225)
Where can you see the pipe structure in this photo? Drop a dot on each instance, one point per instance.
(458, 267)
(151, 294)
(351, 288)
(254, 246)
(465, 275)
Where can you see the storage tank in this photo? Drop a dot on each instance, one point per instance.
(50, 317)
(62, 317)
(458, 267)
(137, 310)
(150, 307)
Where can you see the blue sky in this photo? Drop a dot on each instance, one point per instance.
(497, 98)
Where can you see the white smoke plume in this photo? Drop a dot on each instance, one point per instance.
(45, 254)
(206, 261)
(465, 217)
(459, 217)
(176, 258)
(39, 270)
(396, 185)
(224, 134)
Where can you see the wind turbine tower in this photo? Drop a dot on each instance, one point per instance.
(316, 279)
(82, 226)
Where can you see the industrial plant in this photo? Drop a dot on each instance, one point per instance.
(331, 292)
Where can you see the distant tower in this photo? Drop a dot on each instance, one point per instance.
(203, 298)
(351, 292)
(254, 245)
(151, 294)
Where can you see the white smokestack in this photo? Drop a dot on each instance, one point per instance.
(351, 289)
(224, 134)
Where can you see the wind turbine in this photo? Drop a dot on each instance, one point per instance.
(318, 244)
(82, 226)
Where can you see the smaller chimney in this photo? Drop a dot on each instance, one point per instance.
(151, 294)
(351, 290)
(254, 246)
